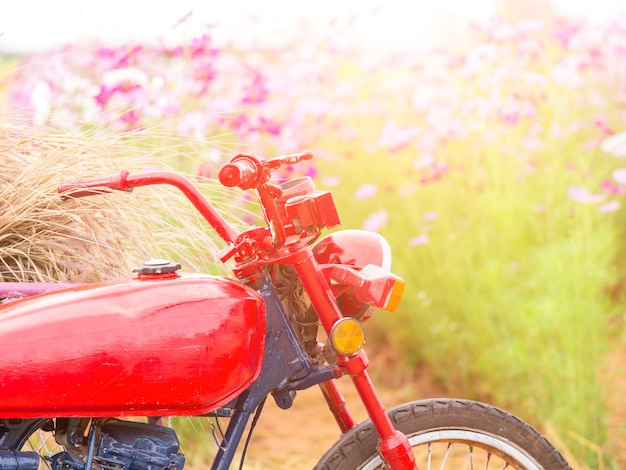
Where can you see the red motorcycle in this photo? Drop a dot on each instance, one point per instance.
(80, 364)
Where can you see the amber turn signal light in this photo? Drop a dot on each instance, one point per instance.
(347, 336)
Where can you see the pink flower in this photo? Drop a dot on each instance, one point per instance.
(206, 170)
(429, 216)
(257, 92)
(366, 191)
(200, 45)
(582, 195)
(610, 187)
(131, 118)
(269, 126)
(396, 138)
(330, 181)
(566, 73)
(425, 96)
(604, 128)
(503, 31)
(311, 171)
(619, 176)
(375, 221)
(610, 206)
(419, 240)
(515, 109)
(423, 161)
(434, 174)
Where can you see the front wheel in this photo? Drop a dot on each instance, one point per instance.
(447, 434)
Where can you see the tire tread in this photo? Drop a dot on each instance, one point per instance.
(359, 444)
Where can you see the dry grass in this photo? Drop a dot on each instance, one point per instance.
(43, 238)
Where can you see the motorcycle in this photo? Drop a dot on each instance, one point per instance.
(100, 369)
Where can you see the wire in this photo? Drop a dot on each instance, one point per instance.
(257, 415)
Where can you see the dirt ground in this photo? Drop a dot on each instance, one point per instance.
(296, 438)
(616, 371)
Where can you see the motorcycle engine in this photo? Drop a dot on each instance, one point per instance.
(137, 446)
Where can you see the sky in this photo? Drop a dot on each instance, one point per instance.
(39, 25)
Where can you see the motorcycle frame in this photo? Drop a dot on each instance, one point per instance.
(297, 372)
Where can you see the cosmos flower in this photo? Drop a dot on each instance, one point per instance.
(376, 221)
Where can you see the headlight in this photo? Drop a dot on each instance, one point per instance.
(355, 248)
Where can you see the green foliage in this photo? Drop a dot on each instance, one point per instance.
(506, 300)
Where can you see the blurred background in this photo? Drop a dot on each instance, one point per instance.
(36, 25)
(485, 140)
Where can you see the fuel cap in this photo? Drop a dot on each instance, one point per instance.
(157, 266)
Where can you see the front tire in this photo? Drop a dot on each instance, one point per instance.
(447, 434)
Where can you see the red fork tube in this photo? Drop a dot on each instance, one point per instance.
(337, 405)
(394, 446)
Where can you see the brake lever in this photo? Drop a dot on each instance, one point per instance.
(292, 159)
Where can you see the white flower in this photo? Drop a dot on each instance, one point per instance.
(41, 100)
(615, 145)
(125, 75)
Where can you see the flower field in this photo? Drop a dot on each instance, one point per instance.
(494, 166)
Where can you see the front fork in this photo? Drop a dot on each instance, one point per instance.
(394, 446)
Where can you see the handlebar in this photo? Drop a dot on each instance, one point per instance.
(94, 186)
(245, 171)
(125, 181)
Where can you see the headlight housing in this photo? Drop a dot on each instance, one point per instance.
(358, 265)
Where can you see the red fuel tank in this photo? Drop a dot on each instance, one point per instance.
(177, 345)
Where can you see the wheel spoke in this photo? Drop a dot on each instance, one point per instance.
(445, 457)
(44, 444)
(449, 449)
(430, 454)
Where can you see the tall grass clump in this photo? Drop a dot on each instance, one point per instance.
(43, 238)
